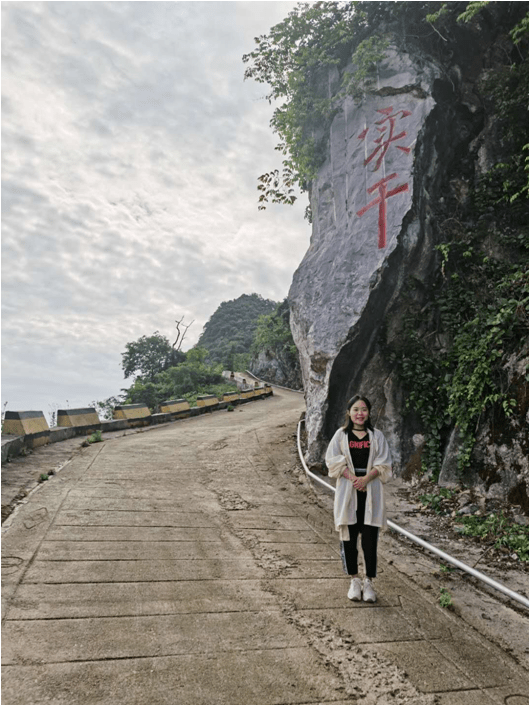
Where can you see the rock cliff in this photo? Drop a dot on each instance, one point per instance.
(366, 238)
(275, 358)
(401, 164)
(275, 368)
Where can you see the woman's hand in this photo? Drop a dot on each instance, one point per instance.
(360, 483)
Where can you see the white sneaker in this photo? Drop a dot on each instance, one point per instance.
(368, 592)
(354, 594)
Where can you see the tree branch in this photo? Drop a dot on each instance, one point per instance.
(181, 335)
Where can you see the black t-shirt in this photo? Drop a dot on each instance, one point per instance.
(359, 449)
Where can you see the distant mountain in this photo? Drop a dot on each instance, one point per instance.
(229, 333)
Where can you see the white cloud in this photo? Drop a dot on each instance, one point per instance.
(131, 149)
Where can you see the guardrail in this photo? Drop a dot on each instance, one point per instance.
(280, 387)
(27, 430)
(446, 557)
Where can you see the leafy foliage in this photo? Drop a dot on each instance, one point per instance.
(435, 501)
(446, 569)
(295, 59)
(95, 438)
(274, 332)
(164, 373)
(229, 333)
(148, 356)
(364, 61)
(445, 600)
(273, 336)
(472, 9)
(520, 31)
(497, 530)
(105, 408)
(188, 379)
(457, 380)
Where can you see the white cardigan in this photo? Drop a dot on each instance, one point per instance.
(338, 460)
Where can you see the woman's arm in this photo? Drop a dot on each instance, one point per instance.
(382, 460)
(335, 459)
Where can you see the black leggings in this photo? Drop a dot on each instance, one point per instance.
(369, 537)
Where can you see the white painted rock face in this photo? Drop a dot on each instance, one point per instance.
(359, 200)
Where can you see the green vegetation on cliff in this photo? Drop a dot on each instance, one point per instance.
(229, 333)
(274, 353)
(294, 60)
(274, 333)
(463, 341)
(464, 361)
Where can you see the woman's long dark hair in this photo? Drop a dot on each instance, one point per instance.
(348, 424)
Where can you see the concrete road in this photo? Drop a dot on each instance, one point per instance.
(188, 565)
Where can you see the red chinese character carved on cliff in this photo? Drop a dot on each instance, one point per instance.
(381, 200)
(387, 137)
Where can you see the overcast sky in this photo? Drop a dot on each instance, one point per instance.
(131, 147)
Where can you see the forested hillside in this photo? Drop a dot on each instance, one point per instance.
(229, 333)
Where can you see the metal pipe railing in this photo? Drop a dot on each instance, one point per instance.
(446, 557)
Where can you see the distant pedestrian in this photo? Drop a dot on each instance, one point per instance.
(359, 458)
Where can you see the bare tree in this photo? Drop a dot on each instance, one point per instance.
(181, 334)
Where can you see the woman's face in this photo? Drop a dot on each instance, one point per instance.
(359, 413)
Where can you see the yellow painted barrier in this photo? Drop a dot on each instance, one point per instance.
(230, 396)
(207, 400)
(175, 406)
(77, 418)
(20, 423)
(30, 429)
(27, 423)
(132, 412)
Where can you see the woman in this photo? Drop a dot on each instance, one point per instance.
(359, 458)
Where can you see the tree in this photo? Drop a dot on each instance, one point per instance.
(292, 60)
(273, 331)
(143, 393)
(105, 408)
(188, 378)
(196, 355)
(148, 356)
